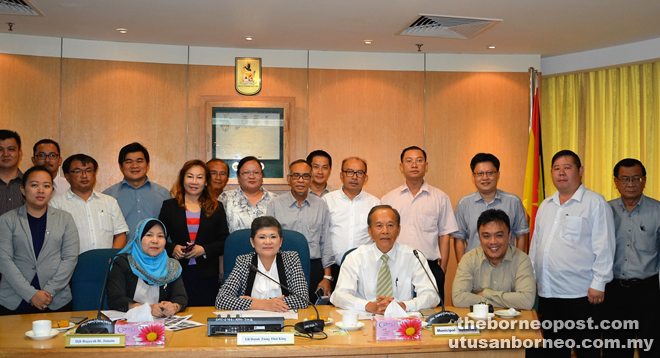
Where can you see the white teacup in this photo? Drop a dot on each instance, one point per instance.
(480, 310)
(349, 319)
(42, 327)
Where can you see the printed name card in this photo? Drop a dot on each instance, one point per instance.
(95, 340)
(264, 338)
(454, 329)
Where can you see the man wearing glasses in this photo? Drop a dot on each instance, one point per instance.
(427, 217)
(485, 174)
(308, 215)
(349, 208)
(46, 152)
(99, 219)
(637, 227)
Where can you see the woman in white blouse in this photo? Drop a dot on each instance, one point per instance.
(245, 289)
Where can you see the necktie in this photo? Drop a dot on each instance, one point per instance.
(384, 285)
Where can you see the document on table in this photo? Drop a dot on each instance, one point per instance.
(290, 314)
(114, 315)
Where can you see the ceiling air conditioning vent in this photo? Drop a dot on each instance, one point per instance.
(454, 27)
(18, 7)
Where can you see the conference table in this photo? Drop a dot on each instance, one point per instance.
(194, 342)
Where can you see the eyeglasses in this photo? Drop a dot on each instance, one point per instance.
(633, 180)
(43, 156)
(222, 174)
(350, 173)
(485, 174)
(248, 174)
(297, 176)
(88, 171)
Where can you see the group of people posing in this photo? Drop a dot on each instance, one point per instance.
(365, 252)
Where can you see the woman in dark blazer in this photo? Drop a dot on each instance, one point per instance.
(197, 227)
(144, 274)
(245, 289)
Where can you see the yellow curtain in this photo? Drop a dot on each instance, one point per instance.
(604, 116)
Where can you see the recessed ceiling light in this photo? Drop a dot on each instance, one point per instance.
(122, 30)
(491, 46)
(248, 38)
(368, 42)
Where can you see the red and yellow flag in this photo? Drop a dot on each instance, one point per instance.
(534, 184)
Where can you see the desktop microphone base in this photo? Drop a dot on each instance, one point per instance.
(310, 326)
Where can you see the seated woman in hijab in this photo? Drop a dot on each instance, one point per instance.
(144, 274)
(247, 290)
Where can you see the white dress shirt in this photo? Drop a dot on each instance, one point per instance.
(98, 219)
(356, 285)
(573, 245)
(60, 185)
(263, 288)
(424, 217)
(348, 220)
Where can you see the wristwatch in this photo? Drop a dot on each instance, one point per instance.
(329, 278)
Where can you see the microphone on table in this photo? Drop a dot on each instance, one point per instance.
(442, 316)
(98, 325)
(310, 326)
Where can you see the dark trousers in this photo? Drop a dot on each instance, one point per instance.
(201, 291)
(4, 311)
(568, 309)
(439, 275)
(335, 273)
(315, 277)
(639, 302)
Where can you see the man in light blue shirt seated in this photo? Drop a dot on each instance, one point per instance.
(138, 197)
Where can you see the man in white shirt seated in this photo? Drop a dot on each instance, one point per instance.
(375, 274)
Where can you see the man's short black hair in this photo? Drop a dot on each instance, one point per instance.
(379, 207)
(567, 153)
(484, 157)
(45, 141)
(299, 161)
(319, 153)
(6, 134)
(84, 160)
(493, 216)
(132, 148)
(213, 160)
(414, 147)
(628, 163)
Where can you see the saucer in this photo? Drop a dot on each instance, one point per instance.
(64, 329)
(53, 333)
(507, 314)
(359, 325)
(477, 318)
(327, 323)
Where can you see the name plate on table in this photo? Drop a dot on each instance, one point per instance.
(264, 338)
(454, 329)
(95, 340)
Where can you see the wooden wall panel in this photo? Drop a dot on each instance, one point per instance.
(468, 113)
(370, 114)
(219, 81)
(30, 99)
(108, 104)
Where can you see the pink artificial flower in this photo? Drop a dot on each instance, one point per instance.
(151, 334)
(409, 329)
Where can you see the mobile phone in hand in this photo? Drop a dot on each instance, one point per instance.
(188, 248)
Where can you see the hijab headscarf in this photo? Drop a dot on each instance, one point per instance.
(159, 270)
